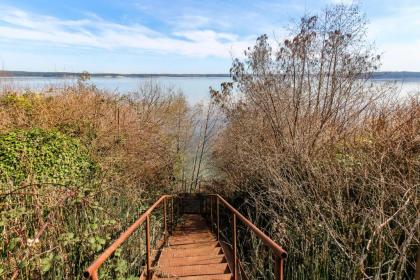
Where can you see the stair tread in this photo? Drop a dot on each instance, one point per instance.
(201, 277)
(193, 253)
(209, 244)
(182, 261)
(180, 233)
(186, 241)
(192, 270)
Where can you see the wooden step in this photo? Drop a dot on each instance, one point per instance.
(182, 261)
(192, 270)
(206, 251)
(187, 240)
(211, 244)
(191, 239)
(183, 233)
(193, 253)
(200, 277)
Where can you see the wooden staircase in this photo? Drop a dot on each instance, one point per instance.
(193, 253)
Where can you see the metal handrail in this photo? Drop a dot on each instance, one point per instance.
(280, 253)
(92, 271)
(278, 250)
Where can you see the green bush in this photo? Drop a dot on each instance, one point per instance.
(43, 156)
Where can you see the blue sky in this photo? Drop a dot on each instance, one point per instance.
(178, 36)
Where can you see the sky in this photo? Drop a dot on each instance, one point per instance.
(178, 36)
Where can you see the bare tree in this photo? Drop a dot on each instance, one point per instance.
(208, 127)
(320, 155)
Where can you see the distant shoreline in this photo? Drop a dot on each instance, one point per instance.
(103, 75)
(386, 75)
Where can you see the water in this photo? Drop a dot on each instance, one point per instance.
(402, 88)
(196, 89)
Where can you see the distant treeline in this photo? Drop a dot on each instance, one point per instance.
(396, 75)
(386, 75)
(104, 75)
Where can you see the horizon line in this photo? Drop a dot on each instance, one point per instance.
(63, 74)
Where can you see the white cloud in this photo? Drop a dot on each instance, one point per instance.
(397, 37)
(403, 21)
(207, 36)
(190, 21)
(18, 25)
(400, 56)
(344, 2)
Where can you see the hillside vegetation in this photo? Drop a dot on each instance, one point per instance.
(318, 156)
(77, 165)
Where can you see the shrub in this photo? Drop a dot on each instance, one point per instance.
(44, 156)
(321, 158)
(54, 231)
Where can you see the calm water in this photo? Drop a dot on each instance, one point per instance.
(195, 88)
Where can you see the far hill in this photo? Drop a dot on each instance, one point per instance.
(386, 75)
(396, 75)
(103, 75)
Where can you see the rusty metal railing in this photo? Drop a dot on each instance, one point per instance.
(279, 252)
(187, 203)
(92, 271)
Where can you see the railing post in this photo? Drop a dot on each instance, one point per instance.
(165, 227)
(281, 268)
(148, 264)
(278, 268)
(172, 215)
(235, 261)
(211, 213)
(217, 217)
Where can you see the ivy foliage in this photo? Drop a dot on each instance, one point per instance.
(46, 156)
